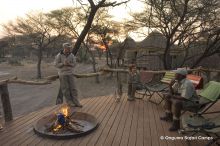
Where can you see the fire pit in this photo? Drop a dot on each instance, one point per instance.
(62, 125)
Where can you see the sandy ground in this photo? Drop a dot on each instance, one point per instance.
(28, 98)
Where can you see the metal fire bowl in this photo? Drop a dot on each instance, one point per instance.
(88, 121)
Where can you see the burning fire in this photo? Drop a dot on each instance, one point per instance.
(64, 122)
(65, 111)
(57, 128)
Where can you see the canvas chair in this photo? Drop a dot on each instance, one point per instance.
(197, 124)
(196, 80)
(207, 98)
(162, 86)
(145, 78)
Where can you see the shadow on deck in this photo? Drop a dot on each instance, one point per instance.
(122, 123)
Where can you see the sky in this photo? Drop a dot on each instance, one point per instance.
(11, 9)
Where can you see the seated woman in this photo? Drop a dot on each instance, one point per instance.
(133, 82)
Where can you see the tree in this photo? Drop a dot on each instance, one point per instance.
(72, 20)
(38, 27)
(103, 30)
(181, 22)
(94, 6)
(3, 44)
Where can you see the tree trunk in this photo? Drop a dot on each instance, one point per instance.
(6, 102)
(39, 63)
(93, 63)
(107, 58)
(85, 30)
(166, 57)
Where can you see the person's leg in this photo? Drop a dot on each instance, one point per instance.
(64, 83)
(73, 90)
(132, 88)
(129, 91)
(59, 96)
(167, 106)
(176, 109)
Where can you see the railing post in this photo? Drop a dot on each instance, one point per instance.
(6, 102)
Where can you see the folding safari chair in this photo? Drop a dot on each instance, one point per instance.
(145, 78)
(162, 86)
(197, 124)
(196, 80)
(207, 98)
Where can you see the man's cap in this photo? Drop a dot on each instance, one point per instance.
(181, 71)
(67, 45)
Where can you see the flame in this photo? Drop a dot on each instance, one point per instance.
(65, 110)
(57, 128)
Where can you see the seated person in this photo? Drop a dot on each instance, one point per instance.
(133, 82)
(182, 94)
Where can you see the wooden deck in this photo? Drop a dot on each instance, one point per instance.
(127, 123)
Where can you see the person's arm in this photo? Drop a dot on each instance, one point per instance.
(186, 94)
(58, 63)
(171, 86)
(73, 63)
(187, 91)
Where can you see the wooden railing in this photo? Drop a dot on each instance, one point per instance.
(5, 93)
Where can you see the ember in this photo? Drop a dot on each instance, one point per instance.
(64, 122)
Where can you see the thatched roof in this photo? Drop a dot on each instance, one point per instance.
(154, 40)
(128, 43)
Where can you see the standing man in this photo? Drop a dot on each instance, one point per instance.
(182, 95)
(65, 61)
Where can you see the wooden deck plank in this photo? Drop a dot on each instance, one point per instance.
(159, 126)
(102, 118)
(134, 123)
(147, 131)
(92, 104)
(153, 126)
(103, 104)
(86, 107)
(165, 126)
(133, 132)
(119, 132)
(105, 131)
(50, 142)
(24, 129)
(127, 128)
(31, 136)
(140, 125)
(94, 138)
(19, 122)
(92, 110)
(99, 115)
(116, 124)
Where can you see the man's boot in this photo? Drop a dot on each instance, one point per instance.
(168, 117)
(175, 126)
